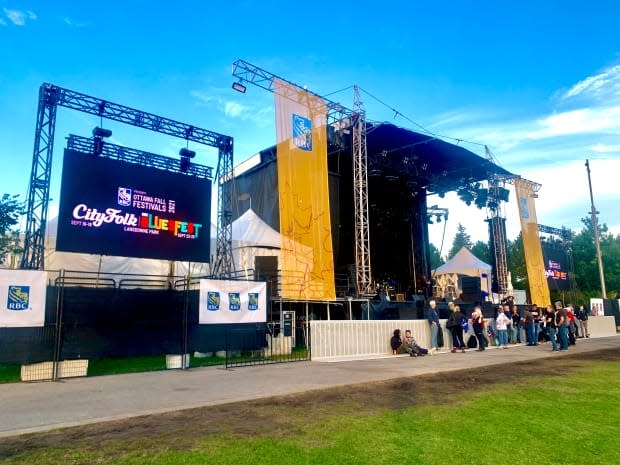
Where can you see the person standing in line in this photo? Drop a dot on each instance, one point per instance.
(509, 332)
(516, 324)
(551, 327)
(528, 322)
(561, 322)
(539, 322)
(454, 324)
(582, 316)
(501, 324)
(572, 325)
(478, 323)
(433, 321)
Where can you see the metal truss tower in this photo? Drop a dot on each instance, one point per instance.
(497, 229)
(50, 98)
(363, 275)
(224, 265)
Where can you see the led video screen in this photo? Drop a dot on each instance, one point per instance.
(111, 207)
(556, 265)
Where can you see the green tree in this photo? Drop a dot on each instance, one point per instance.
(482, 251)
(515, 257)
(461, 239)
(436, 260)
(10, 211)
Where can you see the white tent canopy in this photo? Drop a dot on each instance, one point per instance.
(464, 262)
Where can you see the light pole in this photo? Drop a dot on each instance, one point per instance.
(597, 241)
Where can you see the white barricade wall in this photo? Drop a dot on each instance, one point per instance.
(344, 338)
(363, 338)
(602, 326)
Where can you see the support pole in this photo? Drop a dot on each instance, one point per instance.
(597, 241)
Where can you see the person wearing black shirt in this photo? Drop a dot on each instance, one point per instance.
(454, 324)
(551, 327)
(582, 316)
(561, 321)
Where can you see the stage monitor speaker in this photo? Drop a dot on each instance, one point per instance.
(470, 285)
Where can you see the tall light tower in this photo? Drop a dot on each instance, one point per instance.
(597, 240)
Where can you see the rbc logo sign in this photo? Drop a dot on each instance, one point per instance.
(213, 301)
(124, 196)
(302, 132)
(253, 301)
(19, 298)
(234, 301)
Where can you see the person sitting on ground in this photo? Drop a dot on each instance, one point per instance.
(412, 347)
(396, 341)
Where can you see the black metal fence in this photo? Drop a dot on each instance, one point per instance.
(132, 322)
(285, 342)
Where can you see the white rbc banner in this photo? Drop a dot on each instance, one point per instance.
(223, 301)
(596, 307)
(22, 298)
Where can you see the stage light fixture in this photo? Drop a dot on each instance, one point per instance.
(239, 87)
(101, 132)
(187, 153)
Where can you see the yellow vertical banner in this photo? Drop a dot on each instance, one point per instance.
(306, 256)
(534, 262)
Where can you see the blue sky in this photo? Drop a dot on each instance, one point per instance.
(538, 82)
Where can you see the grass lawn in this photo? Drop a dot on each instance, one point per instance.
(10, 373)
(553, 417)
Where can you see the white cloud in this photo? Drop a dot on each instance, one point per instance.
(602, 85)
(72, 23)
(584, 120)
(19, 17)
(234, 109)
(261, 116)
(604, 148)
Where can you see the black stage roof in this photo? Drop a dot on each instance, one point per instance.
(428, 161)
(421, 160)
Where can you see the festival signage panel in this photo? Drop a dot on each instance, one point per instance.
(22, 298)
(230, 301)
(111, 207)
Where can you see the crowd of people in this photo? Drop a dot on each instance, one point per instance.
(557, 325)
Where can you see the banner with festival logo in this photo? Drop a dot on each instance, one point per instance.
(306, 257)
(230, 301)
(534, 262)
(22, 298)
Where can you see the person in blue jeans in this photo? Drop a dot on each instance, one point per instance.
(551, 327)
(561, 322)
(433, 321)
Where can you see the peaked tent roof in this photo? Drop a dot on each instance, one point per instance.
(249, 230)
(464, 262)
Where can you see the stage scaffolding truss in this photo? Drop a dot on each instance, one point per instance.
(50, 98)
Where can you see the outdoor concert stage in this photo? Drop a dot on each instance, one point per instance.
(404, 167)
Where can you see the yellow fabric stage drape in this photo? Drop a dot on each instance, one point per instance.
(306, 255)
(534, 262)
